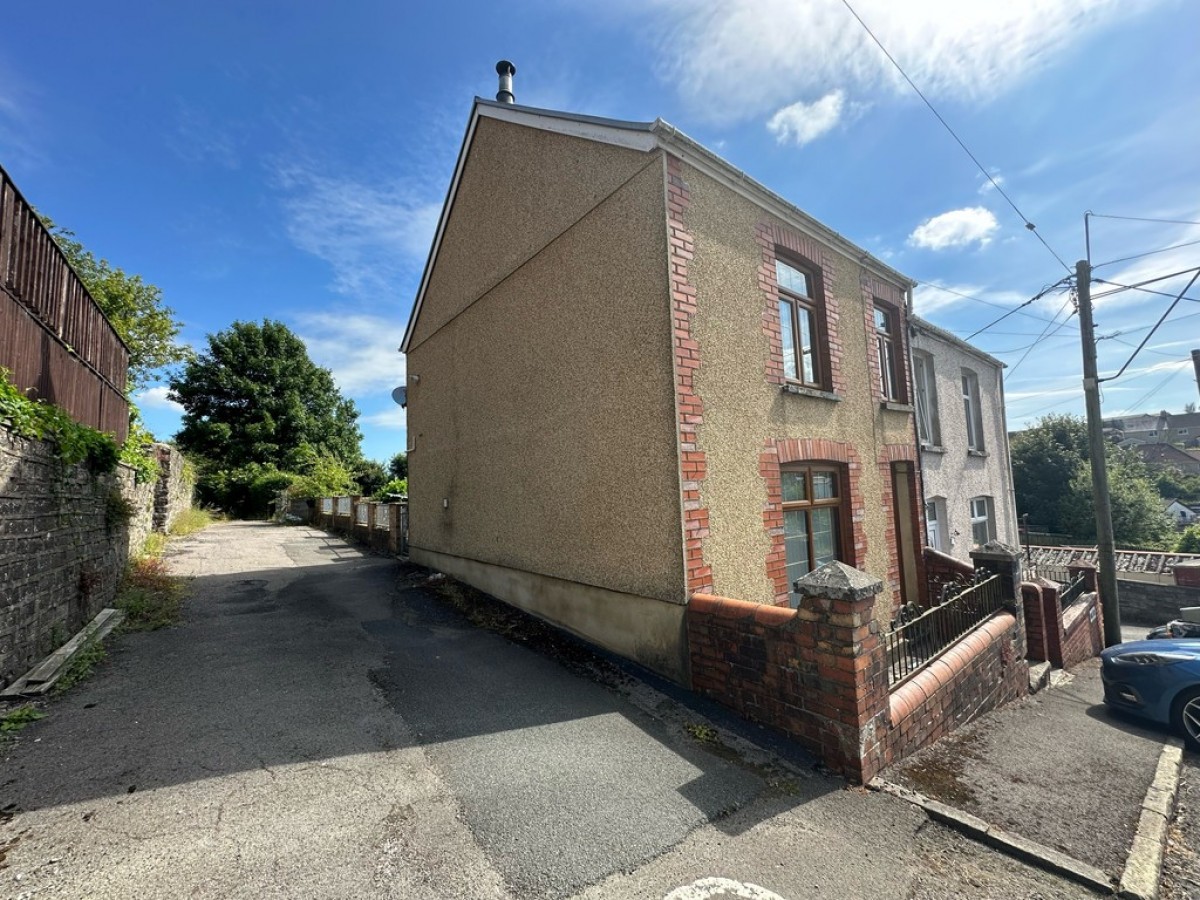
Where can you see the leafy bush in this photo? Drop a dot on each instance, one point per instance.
(395, 486)
(246, 492)
(138, 451)
(1189, 541)
(322, 475)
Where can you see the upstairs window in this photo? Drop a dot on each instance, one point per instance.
(972, 410)
(812, 517)
(885, 349)
(929, 428)
(983, 520)
(798, 324)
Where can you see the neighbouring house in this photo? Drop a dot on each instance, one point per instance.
(635, 375)
(966, 472)
(1179, 513)
(1180, 429)
(1168, 456)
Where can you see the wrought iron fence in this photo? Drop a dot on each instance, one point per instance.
(1041, 569)
(1072, 591)
(918, 635)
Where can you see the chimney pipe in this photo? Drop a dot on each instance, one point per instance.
(506, 71)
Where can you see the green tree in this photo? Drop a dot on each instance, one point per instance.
(1173, 484)
(371, 476)
(255, 397)
(398, 466)
(1137, 515)
(1045, 459)
(1189, 541)
(134, 307)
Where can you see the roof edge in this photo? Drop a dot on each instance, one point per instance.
(943, 334)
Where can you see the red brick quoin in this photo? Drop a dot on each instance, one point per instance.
(692, 459)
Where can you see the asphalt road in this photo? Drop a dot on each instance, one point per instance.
(321, 725)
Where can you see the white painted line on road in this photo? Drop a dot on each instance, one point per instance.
(705, 888)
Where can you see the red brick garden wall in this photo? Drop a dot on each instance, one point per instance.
(972, 677)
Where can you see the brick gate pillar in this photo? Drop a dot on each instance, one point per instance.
(998, 558)
(842, 670)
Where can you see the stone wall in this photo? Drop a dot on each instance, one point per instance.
(65, 537)
(1153, 604)
(174, 488)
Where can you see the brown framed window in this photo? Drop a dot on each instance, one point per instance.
(799, 324)
(813, 515)
(886, 346)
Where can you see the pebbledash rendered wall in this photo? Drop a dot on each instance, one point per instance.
(65, 537)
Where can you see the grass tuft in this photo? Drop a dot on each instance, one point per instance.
(190, 521)
(84, 663)
(12, 722)
(149, 595)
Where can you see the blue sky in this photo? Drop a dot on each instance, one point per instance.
(288, 160)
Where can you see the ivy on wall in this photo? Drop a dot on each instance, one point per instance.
(73, 442)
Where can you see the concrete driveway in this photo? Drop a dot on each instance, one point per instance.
(320, 725)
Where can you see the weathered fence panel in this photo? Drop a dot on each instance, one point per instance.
(53, 337)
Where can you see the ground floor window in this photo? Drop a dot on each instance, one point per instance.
(983, 520)
(933, 526)
(812, 517)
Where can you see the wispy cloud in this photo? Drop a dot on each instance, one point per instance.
(359, 349)
(198, 139)
(956, 228)
(737, 59)
(395, 419)
(801, 123)
(369, 232)
(156, 398)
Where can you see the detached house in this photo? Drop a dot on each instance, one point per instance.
(636, 374)
(965, 466)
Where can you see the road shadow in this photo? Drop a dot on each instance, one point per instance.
(344, 656)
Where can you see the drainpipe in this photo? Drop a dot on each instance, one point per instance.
(917, 468)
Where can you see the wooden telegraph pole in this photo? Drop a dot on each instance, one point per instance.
(1110, 601)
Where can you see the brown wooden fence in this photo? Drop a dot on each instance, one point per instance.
(53, 337)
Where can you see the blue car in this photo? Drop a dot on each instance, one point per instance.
(1157, 680)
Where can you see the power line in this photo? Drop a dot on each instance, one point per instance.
(1145, 219)
(1148, 349)
(1147, 253)
(1019, 310)
(1044, 335)
(1162, 384)
(1154, 329)
(1134, 287)
(1038, 296)
(1035, 343)
(988, 175)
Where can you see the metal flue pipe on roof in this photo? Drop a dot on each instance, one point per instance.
(506, 71)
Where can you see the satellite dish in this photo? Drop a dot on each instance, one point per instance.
(400, 395)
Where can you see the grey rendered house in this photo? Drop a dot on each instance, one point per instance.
(966, 469)
(636, 374)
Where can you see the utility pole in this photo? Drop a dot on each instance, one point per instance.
(1196, 366)
(1110, 602)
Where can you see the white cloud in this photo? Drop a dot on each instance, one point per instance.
(156, 398)
(957, 228)
(802, 122)
(737, 59)
(390, 418)
(370, 233)
(987, 185)
(359, 349)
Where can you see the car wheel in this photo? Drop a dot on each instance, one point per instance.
(1185, 717)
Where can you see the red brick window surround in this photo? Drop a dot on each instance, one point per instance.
(800, 316)
(812, 454)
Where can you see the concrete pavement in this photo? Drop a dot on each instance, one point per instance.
(321, 726)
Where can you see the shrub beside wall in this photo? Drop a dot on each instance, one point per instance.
(66, 534)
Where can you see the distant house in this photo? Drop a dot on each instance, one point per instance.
(636, 374)
(1180, 513)
(1162, 456)
(966, 471)
(1181, 429)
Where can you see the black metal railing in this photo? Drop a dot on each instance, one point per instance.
(918, 635)
(1041, 569)
(1072, 591)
